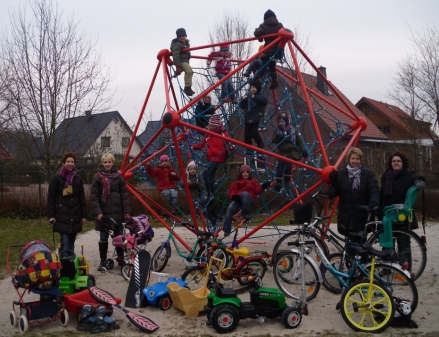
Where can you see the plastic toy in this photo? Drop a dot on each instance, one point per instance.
(157, 294)
(192, 302)
(225, 309)
(75, 302)
(74, 273)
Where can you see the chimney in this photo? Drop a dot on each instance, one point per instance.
(321, 84)
(87, 115)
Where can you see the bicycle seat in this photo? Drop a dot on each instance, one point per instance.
(198, 232)
(379, 253)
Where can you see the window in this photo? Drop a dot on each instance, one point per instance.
(115, 120)
(125, 141)
(105, 141)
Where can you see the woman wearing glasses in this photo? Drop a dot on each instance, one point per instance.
(395, 182)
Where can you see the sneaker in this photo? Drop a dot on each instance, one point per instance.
(247, 218)
(246, 74)
(227, 233)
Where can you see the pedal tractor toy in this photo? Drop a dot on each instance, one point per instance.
(225, 309)
(74, 273)
(157, 294)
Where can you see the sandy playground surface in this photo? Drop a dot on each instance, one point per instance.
(322, 319)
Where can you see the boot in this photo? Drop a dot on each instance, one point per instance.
(274, 83)
(103, 248)
(188, 91)
(278, 184)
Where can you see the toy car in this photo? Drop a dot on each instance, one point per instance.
(74, 273)
(157, 294)
(225, 309)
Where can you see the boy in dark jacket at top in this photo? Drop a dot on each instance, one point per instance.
(167, 177)
(253, 107)
(181, 59)
(269, 26)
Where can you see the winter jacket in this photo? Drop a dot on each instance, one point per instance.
(216, 148)
(163, 174)
(118, 201)
(269, 26)
(401, 184)
(289, 143)
(177, 55)
(349, 203)
(222, 63)
(250, 185)
(68, 211)
(203, 113)
(253, 108)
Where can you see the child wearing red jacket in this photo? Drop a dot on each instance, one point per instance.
(222, 68)
(243, 192)
(167, 177)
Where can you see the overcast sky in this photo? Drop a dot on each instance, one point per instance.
(359, 42)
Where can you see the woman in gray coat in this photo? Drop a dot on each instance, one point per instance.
(109, 196)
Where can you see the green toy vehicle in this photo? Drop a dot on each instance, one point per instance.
(225, 309)
(74, 273)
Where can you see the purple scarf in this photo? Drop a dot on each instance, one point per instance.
(67, 175)
(390, 176)
(107, 179)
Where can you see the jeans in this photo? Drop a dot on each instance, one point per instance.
(67, 242)
(246, 202)
(104, 235)
(284, 167)
(171, 195)
(209, 172)
(254, 66)
(227, 89)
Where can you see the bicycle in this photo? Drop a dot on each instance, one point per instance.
(204, 239)
(243, 265)
(288, 272)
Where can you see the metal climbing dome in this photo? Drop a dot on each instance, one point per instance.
(323, 118)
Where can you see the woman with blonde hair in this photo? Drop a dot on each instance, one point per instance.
(110, 199)
(356, 186)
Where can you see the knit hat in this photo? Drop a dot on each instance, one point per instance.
(245, 168)
(224, 47)
(164, 157)
(215, 120)
(269, 14)
(180, 32)
(256, 84)
(192, 163)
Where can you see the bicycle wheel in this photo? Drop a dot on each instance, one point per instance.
(400, 285)
(253, 267)
(367, 307)
(416, 256)
(282, 244)
(160, 257)
(329, 280)
(219, 253)
(287, 272)
(126, 271)
(195, 277)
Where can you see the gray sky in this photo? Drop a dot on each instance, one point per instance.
(359, 42)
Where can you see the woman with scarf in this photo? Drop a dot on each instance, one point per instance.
(109, 197)
(395, 182)
(66, 203)
(356, 186)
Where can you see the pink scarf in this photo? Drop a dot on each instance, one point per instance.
(68, 175)
(107, 179)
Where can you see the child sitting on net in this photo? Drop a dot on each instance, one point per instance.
(222, 68)
(254, 65)
(243, 192)
(167, 177)
(290, 145)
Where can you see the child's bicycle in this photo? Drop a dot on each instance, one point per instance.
(243, 265)
(196, 255)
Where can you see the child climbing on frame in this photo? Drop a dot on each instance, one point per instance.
(167, 177)
(222, 68)
(254, 65)
(242, 193)
(290, 145)
(181, 59)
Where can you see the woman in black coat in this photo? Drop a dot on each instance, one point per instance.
(356, 186)
(395, 182)
(66, 203)
(110, 199)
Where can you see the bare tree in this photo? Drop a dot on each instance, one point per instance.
(416, 85)
(54, 74)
